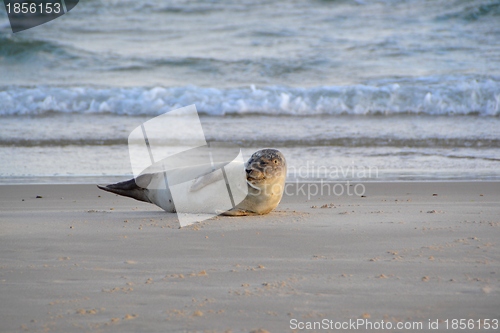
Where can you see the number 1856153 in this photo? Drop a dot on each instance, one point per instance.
(462, 324)
(33, 8)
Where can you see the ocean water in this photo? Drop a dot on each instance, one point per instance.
(348, 90)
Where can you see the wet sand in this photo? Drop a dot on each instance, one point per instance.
(79, 259)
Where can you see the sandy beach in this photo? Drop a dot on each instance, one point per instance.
(74, 259)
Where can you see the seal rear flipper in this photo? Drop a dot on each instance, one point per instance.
(135, 188)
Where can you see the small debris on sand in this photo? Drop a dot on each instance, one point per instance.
(129, 316)
(487, 290)
(83, 311)
(197, 313)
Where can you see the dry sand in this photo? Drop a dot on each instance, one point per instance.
(79, 259)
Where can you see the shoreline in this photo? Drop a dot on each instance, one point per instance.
(79, 259)
(91, 180)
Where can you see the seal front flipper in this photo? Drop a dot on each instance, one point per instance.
(135, 188)
(205, 180)
(238, 212)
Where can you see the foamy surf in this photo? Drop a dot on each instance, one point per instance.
(430, 96)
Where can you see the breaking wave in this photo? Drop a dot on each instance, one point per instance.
(430, 95)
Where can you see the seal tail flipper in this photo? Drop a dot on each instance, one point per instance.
(131, 188)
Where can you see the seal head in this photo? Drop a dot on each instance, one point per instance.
(266, 174)
(265, 167)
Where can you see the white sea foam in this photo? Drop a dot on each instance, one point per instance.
(432, 96)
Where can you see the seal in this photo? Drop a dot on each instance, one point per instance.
(265, 172)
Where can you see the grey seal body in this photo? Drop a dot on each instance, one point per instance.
(265, 172)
